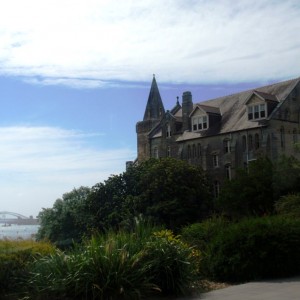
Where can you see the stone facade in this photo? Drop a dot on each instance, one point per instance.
(226, 133)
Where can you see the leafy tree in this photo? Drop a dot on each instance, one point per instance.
(171, 192)
(286, 179)
(250, 192)
(67, 219)
(166, 191)
(106, 204)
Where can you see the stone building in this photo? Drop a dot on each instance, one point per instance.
(225, 133)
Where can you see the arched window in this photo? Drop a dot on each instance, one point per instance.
(226, 146)
(250, 142)
(155, 152)
(194, 151)
(199, 150)
(295, 136)
(189, 154)
(228, 171)
(168, 130)
(282, 137)
(168, 151)
(215, 158)
(287, 114)
(244, 143)
(216, 188)
(256, 141)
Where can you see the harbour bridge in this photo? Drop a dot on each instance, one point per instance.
(8, 217)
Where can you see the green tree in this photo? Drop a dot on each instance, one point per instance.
(286, 177)
(106, 204)
(250, 192)
(171, 192)
(67, 220)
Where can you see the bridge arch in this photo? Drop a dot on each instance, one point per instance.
(19, 216)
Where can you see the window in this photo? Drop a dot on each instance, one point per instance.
(189, 151)
(228, 172)
(282, 142)
(257, 111)
(256, 141)
(155, 152)
(194, 151)
(168, 131)
(215, 160)
(226, 145)
(168, 151)
(199, 150)
(287, 114)
(199, 123)
(295, 136)
(216, 189)
(244, 143)
(250, 142)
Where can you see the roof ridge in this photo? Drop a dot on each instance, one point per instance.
(249, 90)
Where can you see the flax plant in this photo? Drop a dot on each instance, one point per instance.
(123, 265)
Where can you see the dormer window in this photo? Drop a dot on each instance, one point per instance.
(199, 123)
(256, 111)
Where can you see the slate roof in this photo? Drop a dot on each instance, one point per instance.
(154, 103)
(233, 109)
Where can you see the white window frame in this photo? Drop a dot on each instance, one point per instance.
(215, 158)
(257, 111)
(228, 171)
(155, 152)
(226, 145)
(168, 151)
(168, 133)
(200, 123)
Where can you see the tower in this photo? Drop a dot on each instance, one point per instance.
(153, 114)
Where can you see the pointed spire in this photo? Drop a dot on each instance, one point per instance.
(155, 108)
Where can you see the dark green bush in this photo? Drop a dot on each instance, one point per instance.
(254, 249)
(115, 266)
(200, 234)
(14, 259)
(289, 205)
(171, 264)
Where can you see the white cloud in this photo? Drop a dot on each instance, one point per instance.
(182, 41)
(32, 159)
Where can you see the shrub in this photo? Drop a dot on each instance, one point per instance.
(172, 264)
(200, 234)
(289, 205)
(255, 249)
(14, 259)
(115, 266)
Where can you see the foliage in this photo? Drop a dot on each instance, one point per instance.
(14, 259)
(106, 204)
(289, 205)
(166, 191)
(173, 265)
(250, 192)
(201, 234)
(171, 192)
(115, 266)
(255, 249)
(286, 176)
(66, 221)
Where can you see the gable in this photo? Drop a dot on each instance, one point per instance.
(255, 99)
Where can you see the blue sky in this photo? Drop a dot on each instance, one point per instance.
(75, 77)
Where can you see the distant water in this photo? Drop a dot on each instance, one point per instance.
(18, 231)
